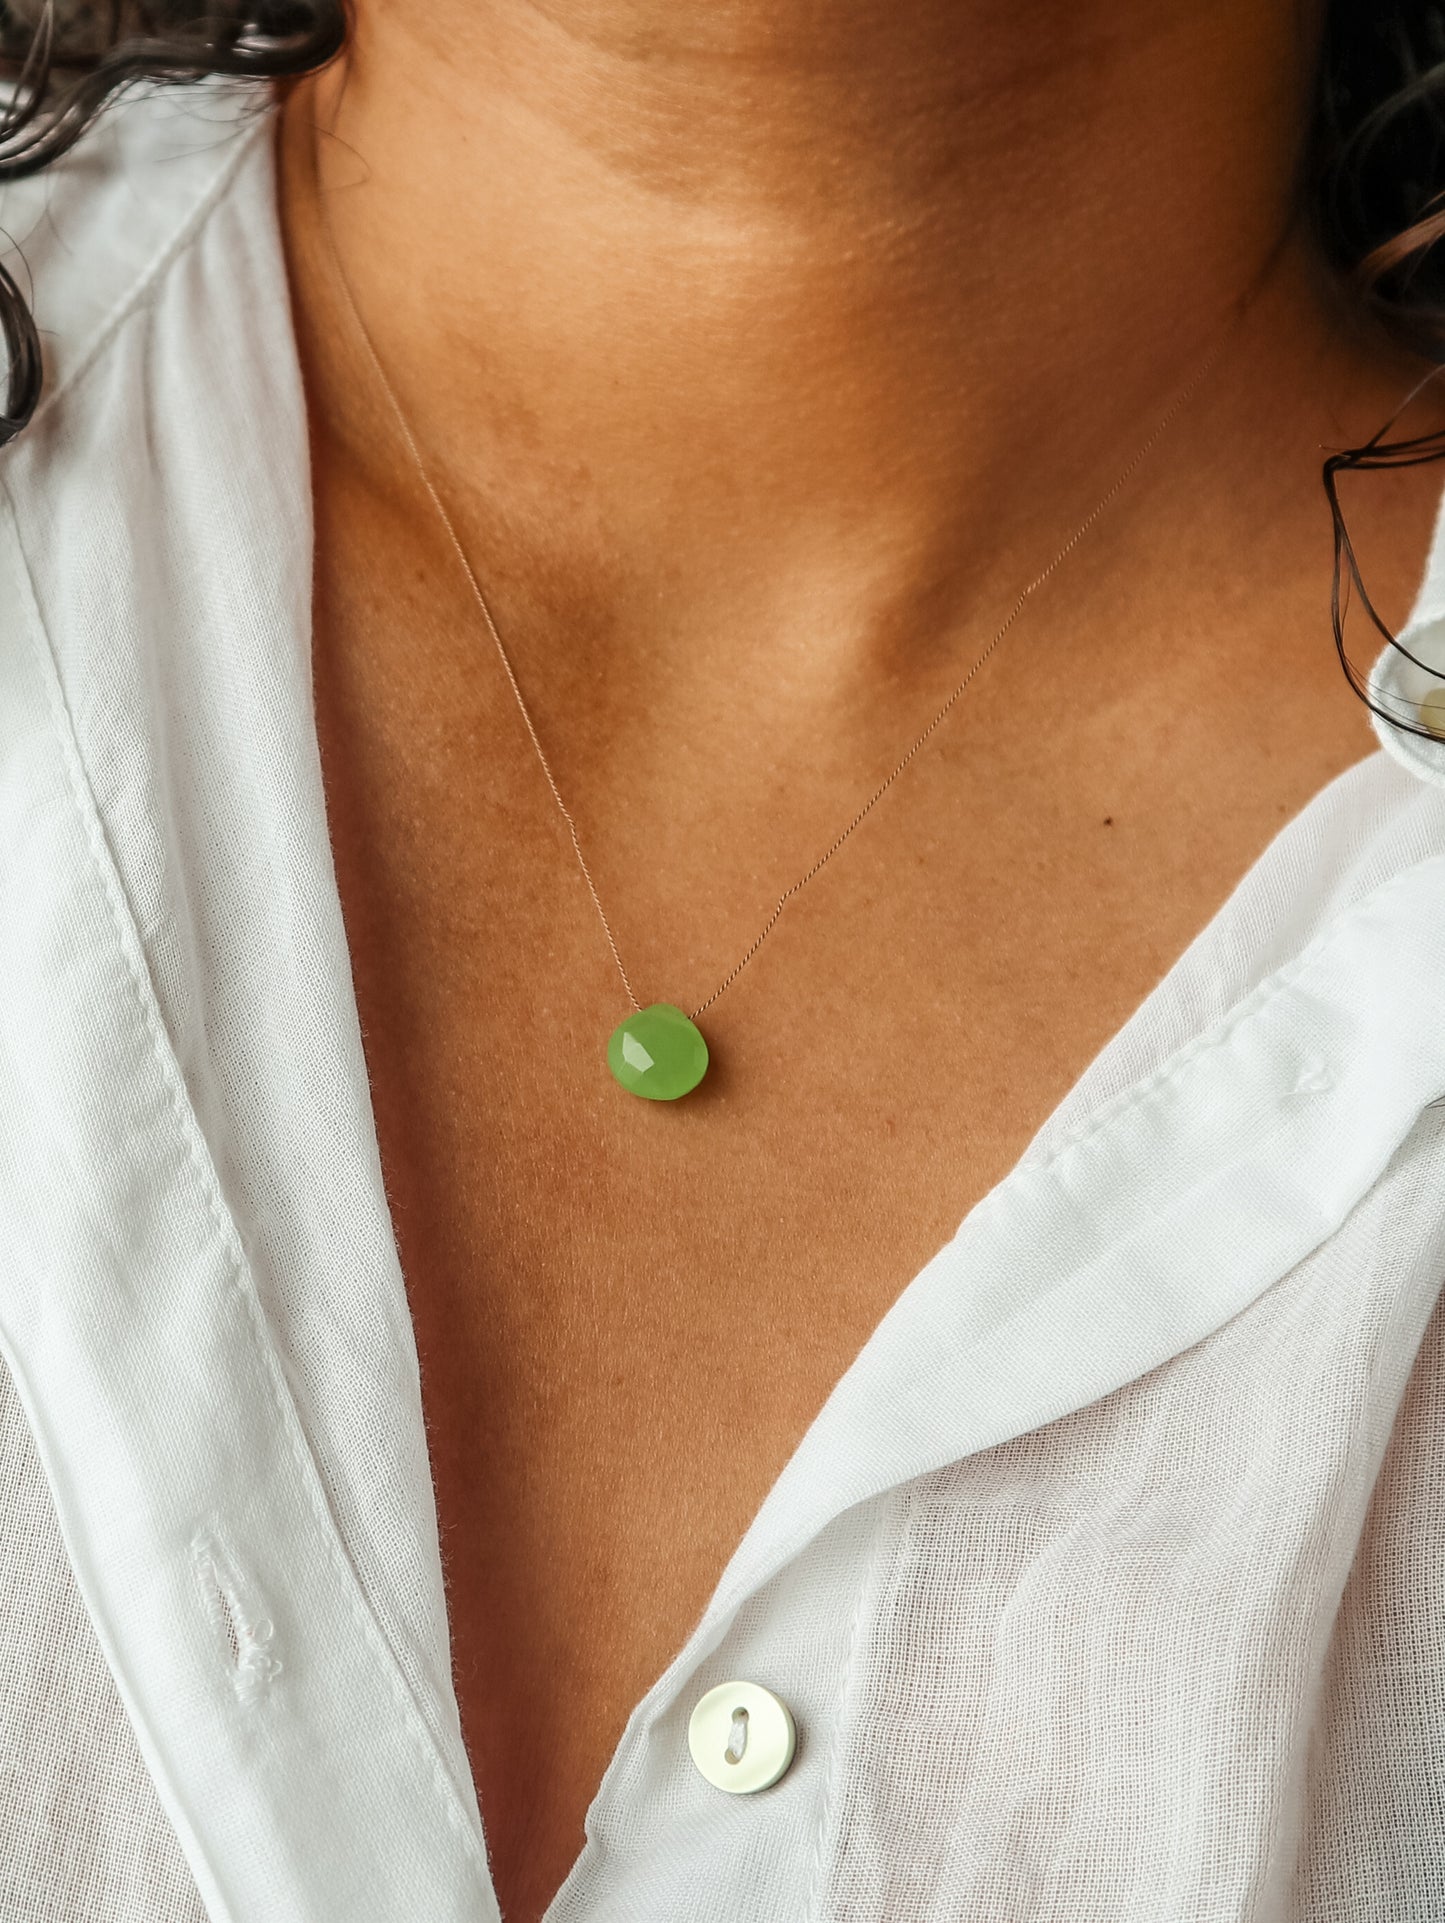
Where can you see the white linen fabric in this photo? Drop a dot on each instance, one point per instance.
(1109, 1587)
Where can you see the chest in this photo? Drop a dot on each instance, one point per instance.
(639, 1307)
(629, 1313)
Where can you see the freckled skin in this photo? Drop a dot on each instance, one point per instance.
(758, 388)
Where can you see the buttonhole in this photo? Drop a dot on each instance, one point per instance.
(1314, 1078)
(244, 1631)
(737, 1737)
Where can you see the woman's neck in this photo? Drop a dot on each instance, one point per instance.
(810, 312)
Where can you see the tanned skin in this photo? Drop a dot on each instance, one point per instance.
(763, 350)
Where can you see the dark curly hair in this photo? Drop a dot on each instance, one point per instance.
(1374, 178)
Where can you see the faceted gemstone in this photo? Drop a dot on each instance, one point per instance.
(657, 1052)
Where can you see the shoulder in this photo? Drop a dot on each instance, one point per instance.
(90, 238)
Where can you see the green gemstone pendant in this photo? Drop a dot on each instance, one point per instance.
(657, 1052)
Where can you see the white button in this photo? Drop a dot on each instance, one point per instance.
(1407, 690)
(742, 1737)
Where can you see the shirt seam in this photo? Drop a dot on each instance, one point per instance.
(878, 1581)
(168, 251)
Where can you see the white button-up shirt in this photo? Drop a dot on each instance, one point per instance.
(1108, 1587)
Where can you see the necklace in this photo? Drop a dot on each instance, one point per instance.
(658, 1051)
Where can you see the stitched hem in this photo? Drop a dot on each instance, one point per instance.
(165, 255)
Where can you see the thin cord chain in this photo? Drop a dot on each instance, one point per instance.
(1179, 401)
(481, 600)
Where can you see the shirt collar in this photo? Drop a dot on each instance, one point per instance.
(1148, 1226)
